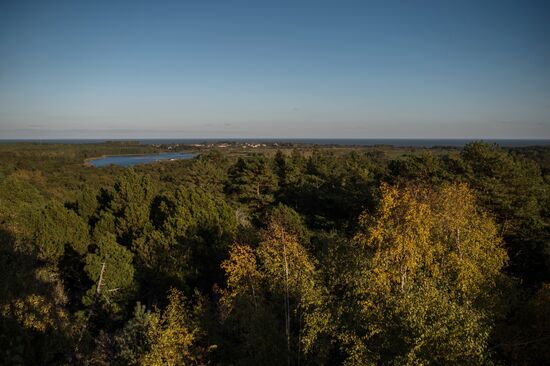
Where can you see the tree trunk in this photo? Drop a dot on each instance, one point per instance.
(287, 304)
(100, 281)
(253, 292)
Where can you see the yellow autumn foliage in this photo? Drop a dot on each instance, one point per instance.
(419, 233)
(242, 275)
(432, 266)
(35, 312)
(171, 335)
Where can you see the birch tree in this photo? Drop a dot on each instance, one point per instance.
(432, 275)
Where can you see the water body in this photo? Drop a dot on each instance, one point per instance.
(314, 141)
(129, 160)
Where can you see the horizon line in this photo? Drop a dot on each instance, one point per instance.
(272, 138)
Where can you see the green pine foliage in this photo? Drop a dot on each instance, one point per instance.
(288, 255)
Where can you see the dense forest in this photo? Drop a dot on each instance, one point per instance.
(280, 256)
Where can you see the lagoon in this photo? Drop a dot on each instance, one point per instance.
(130, 160)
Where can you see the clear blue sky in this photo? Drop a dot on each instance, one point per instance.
(203, 68)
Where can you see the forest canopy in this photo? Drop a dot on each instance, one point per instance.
(284, 256)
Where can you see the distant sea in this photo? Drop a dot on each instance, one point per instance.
(312, 141)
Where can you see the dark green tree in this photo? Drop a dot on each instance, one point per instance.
(252, 181)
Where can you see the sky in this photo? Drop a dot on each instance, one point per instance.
(230, 68)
